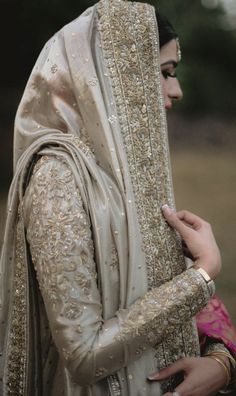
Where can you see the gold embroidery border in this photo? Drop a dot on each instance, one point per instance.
(126, 30)
(17, 345)
(126, 47)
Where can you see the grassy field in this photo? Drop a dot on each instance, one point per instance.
(205, 183)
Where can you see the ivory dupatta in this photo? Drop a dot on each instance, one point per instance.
(94, 97)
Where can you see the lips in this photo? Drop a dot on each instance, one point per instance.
(168, 105)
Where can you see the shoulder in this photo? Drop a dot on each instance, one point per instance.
(50, 167)
(51, 184)
(51, 172)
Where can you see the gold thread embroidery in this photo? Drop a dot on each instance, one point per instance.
(114, 385)
(129, 40)
(162, 309)
(17, 342)
(142, 123)
(52, 234)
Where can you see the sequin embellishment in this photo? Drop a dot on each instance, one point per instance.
(129, 38)
(17, 342)
(59, 216)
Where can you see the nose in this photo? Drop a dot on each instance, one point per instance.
(174, 90)
(171, 91)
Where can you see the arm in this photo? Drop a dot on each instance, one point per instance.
(59, 235)
(216, 370)
(213, 321)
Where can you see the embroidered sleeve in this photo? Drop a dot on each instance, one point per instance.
(59, 235)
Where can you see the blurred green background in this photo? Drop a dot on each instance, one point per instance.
(201, 127)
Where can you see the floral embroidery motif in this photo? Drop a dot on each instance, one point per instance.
(150, 321)
(58, 230)
(72, 310)
(62, 252)
(60, 221)
(129, 38)
(54, 68)
(142, 121)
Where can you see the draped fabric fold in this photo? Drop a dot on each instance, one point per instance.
(94, 99)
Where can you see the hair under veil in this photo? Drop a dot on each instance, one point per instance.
(165, 28)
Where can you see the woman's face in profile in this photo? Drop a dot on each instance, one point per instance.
(170, 84)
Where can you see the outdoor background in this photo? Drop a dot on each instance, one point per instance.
(201, 127)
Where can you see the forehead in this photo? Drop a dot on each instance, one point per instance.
(169, 52)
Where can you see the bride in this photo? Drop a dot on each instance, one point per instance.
(96, 296)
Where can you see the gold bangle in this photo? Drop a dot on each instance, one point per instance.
(210, 283)
(223, 365)
(232, 369)
(223, 353)
(204, 274)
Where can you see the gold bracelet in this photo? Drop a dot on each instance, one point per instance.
(232, 362)
(227, 371)
(210, 283)
(223, 353)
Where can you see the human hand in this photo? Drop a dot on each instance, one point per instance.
(202, 376)
(198, 237)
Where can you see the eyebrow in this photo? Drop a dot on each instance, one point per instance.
(170, 62)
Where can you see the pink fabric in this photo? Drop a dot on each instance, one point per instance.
(214, 322)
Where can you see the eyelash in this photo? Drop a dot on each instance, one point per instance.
(167, 74)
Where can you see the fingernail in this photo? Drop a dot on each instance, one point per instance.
(167, 209)
(152, 377)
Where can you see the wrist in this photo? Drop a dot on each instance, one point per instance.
(209, 281)
(224, 365)
(211, 263)
(219, 351)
